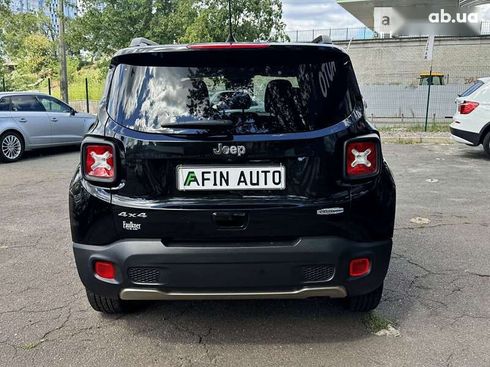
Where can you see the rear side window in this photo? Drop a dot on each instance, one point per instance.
(280, 96)
(26, 104)
(474, 87)
(4, 104)
(53, 105)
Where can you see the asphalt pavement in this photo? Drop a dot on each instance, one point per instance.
(435, 310)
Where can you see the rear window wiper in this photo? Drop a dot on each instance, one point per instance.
(199, 124)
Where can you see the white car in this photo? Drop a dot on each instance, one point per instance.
(471, 123)
(31, 120)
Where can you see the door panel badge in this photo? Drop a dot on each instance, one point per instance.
(330, 211)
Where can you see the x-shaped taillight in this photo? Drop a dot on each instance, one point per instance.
(361, 158)
(99, 162)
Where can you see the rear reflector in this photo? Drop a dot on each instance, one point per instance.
(105, 269)
(99, 162)
(466, 108)
(361, 158)
(224, 46)
(359, 267)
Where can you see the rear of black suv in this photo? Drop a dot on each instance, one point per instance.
(232, 171)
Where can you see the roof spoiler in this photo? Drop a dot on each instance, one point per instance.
(323, 40)
(141, 42)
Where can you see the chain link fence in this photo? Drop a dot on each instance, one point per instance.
(336, 34)
(359, 33)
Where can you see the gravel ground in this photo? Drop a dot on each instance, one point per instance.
(437, 292)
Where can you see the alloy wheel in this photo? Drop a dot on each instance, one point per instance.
(11, 147)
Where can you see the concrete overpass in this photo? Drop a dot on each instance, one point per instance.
(416, 15)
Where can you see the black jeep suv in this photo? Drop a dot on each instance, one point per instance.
(232, 171)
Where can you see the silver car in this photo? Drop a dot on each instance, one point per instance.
(30, 120)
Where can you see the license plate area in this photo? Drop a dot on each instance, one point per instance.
(226, 178)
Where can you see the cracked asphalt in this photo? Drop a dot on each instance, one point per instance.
(437, 293)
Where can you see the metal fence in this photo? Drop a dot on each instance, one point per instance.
(347, 34)
(408, 104)
(84, 100)
(336, 34)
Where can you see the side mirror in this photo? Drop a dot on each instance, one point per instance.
(73, 112)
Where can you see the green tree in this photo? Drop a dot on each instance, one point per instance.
(251, 20)
(16, 27)
(109, 25)
(37, 63)
(27, 46)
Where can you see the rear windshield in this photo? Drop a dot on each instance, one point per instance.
(250, 97)
(474, 87)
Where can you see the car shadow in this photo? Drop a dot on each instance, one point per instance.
(53, 151)
(475, 153)
(315, 320)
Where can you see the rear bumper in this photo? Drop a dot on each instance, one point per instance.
(131, 294)
(465, 137)
(308, 267)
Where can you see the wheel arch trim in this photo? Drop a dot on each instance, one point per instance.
(16, 130)
(484, 131)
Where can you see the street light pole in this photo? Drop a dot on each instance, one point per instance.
(62, 52)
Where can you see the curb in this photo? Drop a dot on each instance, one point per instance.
(416, 140)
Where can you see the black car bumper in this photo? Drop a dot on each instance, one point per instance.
(311, 266)
(470, 137)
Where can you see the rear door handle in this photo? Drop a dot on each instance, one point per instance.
(54, 119)
(22, 119)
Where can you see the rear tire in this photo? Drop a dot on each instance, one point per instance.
(11, 147)
(107, 305)
(486, 143)
(365, 302)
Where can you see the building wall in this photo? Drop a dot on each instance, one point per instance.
(400, 61)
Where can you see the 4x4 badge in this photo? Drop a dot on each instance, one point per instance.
(132, 215)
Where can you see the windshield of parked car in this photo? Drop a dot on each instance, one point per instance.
(258, 97)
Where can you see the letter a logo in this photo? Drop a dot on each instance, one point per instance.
(191, 177)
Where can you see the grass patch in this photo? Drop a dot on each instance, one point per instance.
(374, 322)
(76, 85)
(76, 89)
(415, 128)
(31, 346)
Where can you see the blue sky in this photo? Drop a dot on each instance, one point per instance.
(316, 14)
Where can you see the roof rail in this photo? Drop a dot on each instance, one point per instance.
(141, 42)
(323, 39)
